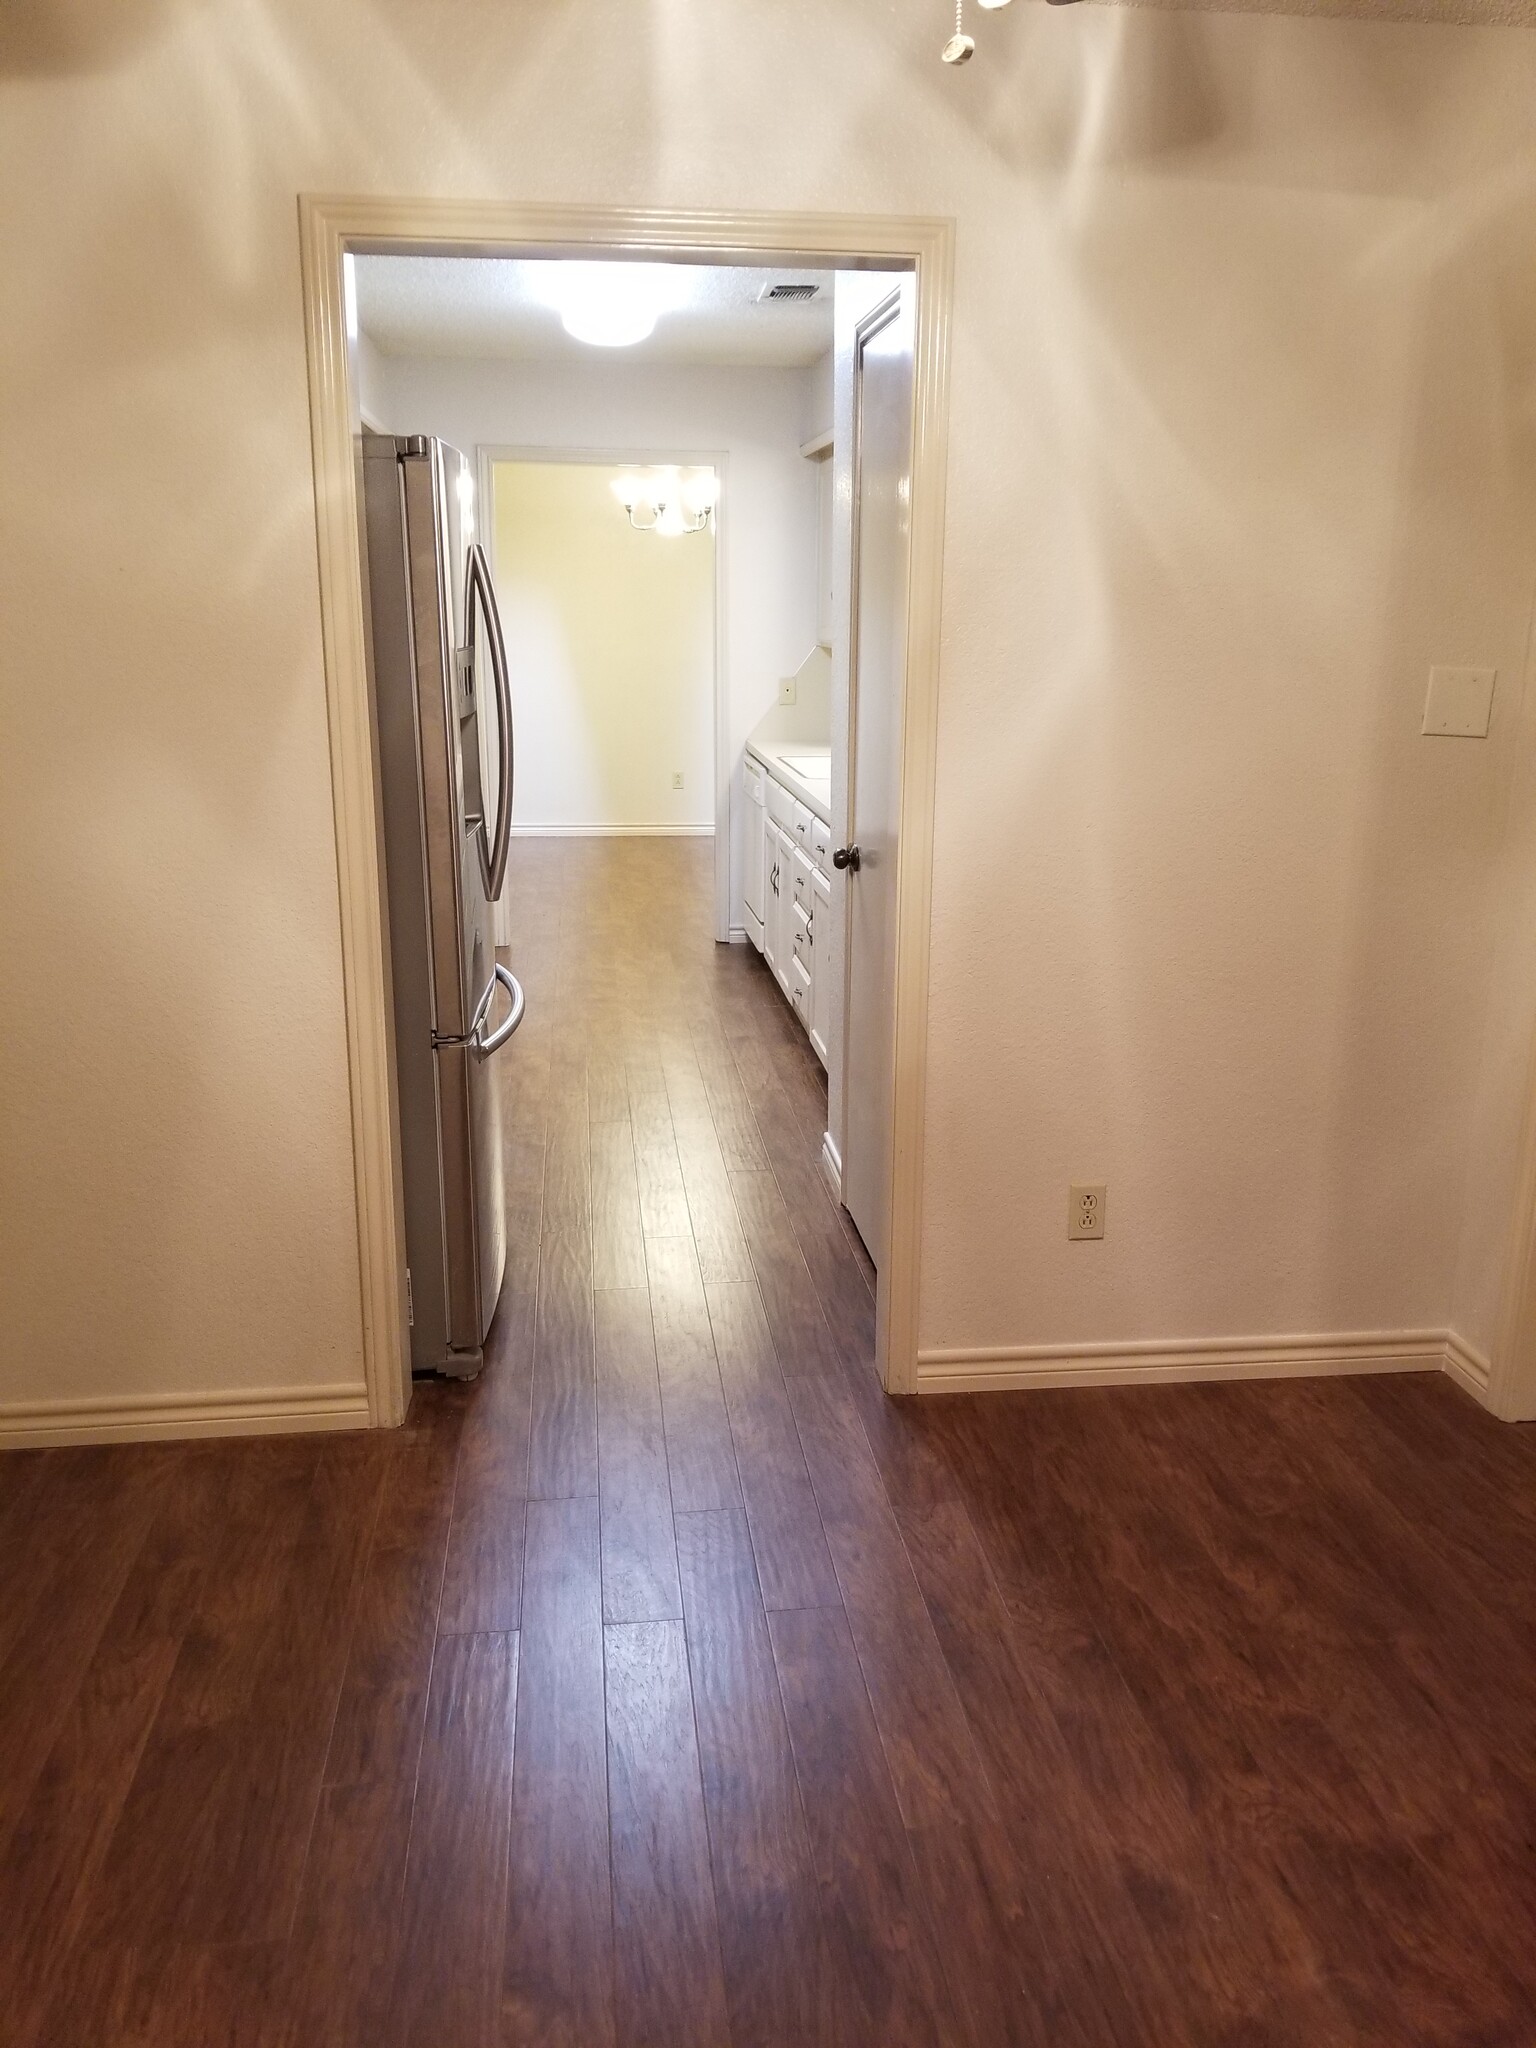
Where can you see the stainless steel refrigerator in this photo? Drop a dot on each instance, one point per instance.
(444, 718)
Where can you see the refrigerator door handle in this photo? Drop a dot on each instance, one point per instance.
(483, 1047)
(480, 598)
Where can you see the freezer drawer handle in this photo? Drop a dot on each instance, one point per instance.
(493, 855)
(484, 1046)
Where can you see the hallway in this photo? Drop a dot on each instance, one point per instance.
(669, 1686)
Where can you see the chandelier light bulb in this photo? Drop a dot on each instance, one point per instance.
(666, 501)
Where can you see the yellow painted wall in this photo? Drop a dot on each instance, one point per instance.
(611, 644)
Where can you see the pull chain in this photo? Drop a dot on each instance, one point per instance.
(960, 48)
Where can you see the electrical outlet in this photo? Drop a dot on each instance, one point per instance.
(787, 690)
(1085, 1211)
(677, 779)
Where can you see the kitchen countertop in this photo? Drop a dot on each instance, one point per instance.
(814, 790)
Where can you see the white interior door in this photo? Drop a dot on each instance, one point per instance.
(882, 498)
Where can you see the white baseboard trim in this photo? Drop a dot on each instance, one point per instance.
(145, 1417)
(996, 1369)
(613, 832)
(1467, 1367)
(737, 934)
(832, 1168)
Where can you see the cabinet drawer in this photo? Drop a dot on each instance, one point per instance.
(802, 883)
(804, 820)
(781, 805)
(820, 848)
(754, 782)
(799, 991)
(802, 937)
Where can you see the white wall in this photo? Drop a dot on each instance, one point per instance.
(610, 637)
(748, 418)
(1241, 443)
(816, 397)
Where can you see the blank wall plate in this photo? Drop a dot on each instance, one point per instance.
(1460, 702)
(787, 689)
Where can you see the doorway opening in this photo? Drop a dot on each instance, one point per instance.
(771, 771)
(613, 628)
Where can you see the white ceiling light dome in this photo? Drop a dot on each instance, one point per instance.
(614, 305)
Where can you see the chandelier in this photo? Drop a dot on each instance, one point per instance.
(668, 501)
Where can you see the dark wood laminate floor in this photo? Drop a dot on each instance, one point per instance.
(671, 1687)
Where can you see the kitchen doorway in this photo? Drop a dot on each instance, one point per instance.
(333, 230)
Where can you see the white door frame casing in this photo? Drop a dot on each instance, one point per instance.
(329, 229)
(489, 453)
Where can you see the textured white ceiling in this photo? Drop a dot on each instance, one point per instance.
(1492, 13)
(490, 307)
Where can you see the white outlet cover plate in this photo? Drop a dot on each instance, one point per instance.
(1460, 702)
(1085, 1210)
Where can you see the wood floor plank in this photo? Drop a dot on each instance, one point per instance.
(964, 1858)
(115, 1505)
(618, 1246)
(667, 1978)
(1092, 1971)
(168, 1995)
(700, 1458)
(886, 1981)
(211, 1842)
(1136, 1792)
(62, 1832)
(639, 1554)
(842, 1286)
(557, 1984)
(454, 1908)
(567, 1192)
(800, 1334)
(376, 1735)
(523, 1154)
(773, 1948)
(562, 1457)
(340, 1989)
(658, 1171)
(711, 1206)
(1349, 1639)
(740, 1145)
(483, 1576)
(793, 1563)
(607, 1090)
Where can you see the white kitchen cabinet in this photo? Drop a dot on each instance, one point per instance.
(789, 862)
(778, 899)
(821, 959)
(755, 849)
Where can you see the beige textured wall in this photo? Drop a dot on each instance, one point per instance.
(611, 636)
(1242, 442)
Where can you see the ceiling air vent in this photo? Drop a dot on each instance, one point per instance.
(788, 291)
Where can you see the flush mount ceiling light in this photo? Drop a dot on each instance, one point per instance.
(668, 501)
(613, 305)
